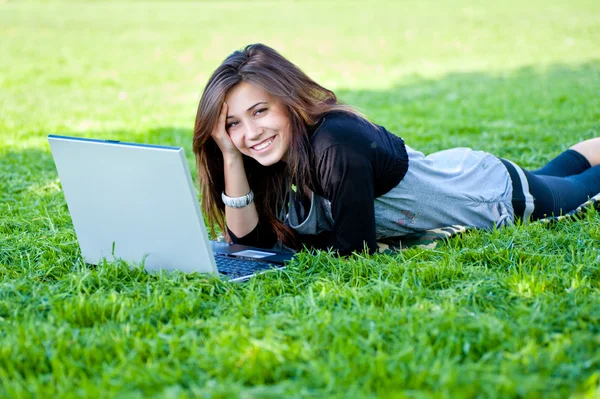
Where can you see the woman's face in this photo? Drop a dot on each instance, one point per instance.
(258, 123)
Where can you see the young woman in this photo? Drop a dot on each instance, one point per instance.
(281, 161)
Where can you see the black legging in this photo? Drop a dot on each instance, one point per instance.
(560, 186)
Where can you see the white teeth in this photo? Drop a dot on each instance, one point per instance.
(263, 145)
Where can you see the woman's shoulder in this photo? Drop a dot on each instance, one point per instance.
(341, 128)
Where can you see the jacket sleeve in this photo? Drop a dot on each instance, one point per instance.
(262, 236)
(345, 176)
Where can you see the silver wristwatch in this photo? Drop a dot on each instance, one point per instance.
(238, 202)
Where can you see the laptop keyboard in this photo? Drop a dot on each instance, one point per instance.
(233, 267)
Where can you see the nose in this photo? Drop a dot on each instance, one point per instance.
(253, 131)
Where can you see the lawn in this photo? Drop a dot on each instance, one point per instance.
(507, 313)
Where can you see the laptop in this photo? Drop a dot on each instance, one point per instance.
(137, 203)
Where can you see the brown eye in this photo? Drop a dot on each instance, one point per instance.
(259, 111)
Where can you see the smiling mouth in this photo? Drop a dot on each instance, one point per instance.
(264, 144)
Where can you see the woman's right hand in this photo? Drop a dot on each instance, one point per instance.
(221, 137)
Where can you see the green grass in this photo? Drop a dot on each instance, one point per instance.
(509, 313)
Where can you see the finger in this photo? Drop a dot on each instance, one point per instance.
(223, 116)
(220, 124)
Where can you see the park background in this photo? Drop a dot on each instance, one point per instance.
(509, 313)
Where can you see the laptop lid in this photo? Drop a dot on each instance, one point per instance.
(133, 202)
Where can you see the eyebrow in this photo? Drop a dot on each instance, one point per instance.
(258, 103)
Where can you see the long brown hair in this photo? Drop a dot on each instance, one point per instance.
(305, 101)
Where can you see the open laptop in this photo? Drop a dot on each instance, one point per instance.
(137, 203)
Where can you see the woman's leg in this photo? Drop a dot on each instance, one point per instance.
(590, 149)
(558, 187)
(573, 161)
(538, 196)
(567, 163)
(554, 196)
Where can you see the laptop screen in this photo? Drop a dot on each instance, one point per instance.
(133, 202)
